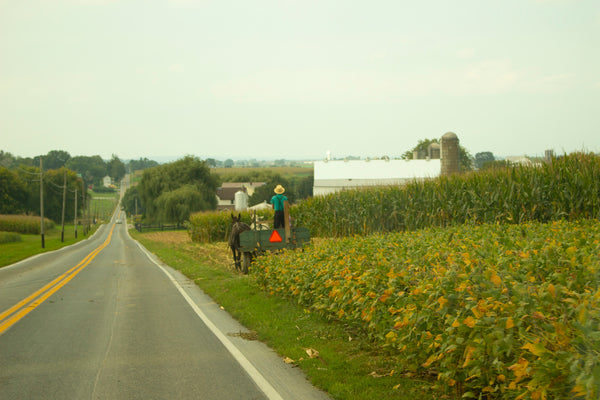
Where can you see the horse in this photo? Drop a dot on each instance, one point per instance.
(237, 227)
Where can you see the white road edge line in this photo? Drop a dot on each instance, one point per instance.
(256, 376)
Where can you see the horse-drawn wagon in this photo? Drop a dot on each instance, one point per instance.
(246, 241)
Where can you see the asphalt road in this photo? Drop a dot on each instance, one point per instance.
(104, 319)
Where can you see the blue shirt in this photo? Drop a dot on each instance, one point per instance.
(277, 201)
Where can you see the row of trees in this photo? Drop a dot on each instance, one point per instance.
(20, 192)
(62, 176)
(91, 168)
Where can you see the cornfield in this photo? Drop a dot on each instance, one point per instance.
(25, 224)
(568, 188)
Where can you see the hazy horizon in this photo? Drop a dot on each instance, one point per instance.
(273, 79)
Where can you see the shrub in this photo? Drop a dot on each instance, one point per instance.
(9, 237)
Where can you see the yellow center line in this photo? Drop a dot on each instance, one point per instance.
(25, 306)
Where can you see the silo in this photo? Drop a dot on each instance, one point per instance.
(241, 200)
(450, 154)
(419, 154)
(434, 151)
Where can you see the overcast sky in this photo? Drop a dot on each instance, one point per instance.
(271, 79)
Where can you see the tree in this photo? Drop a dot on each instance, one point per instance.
(116, 168)
(53, 194)
(466, 160)
(30, 176)
(13, 193)
(483, 157)
(420, 148)
(304, 187)
(55, 159)
(142, 163)
(228, 163)
(177, 205)
(7, 160)
(165, 178)
(265, 192)
(132, 202)
(92, 169)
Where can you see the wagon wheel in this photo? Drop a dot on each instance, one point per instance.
(246, 261)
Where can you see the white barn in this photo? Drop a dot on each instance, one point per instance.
(332, 176)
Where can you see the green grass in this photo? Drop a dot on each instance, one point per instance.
(103, 205)
(348, 367)
(31, 245)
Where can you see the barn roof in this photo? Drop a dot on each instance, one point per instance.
(377, 169)
(228, 193)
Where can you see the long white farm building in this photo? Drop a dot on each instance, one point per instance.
(335, 175)
(332, 176)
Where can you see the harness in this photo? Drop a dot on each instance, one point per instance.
(280, 201)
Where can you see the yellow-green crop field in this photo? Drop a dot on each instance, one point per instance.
(487, 281)
(28, 224)
(496, 311)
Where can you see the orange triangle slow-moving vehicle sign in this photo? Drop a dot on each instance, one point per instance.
(275, 237)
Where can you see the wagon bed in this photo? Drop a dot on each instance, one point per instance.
(255, 241)
(273, 239)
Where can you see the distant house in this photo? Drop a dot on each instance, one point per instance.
(226, 194)
(106, 181)
(226, 197)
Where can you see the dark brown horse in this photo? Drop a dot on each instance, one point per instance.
(237, 227)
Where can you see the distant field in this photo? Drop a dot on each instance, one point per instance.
(103, 205)
(284, 171)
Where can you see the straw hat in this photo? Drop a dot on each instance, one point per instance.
(279, 189)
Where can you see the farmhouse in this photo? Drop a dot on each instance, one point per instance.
(106, 181)
(226, 194)
(335, 175)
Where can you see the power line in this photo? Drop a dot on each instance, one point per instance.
(28, 172)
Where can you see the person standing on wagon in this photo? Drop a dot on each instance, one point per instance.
(277, 202)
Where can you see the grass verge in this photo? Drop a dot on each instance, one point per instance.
(31, 245)
(334, 358)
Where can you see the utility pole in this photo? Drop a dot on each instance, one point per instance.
(62, 233)
(42, 202)
(75, 212)
(83, 193)
(89, 215)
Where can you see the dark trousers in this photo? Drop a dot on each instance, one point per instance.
(279, 220)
